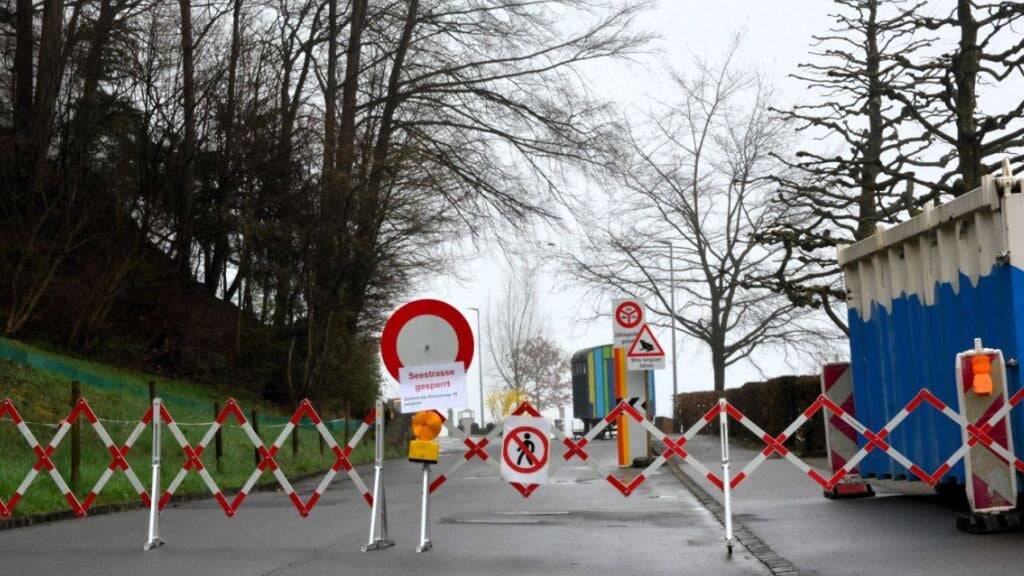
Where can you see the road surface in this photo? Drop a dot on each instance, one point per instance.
(577, 525)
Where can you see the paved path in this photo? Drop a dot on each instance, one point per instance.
(905, 530)
(577, 525)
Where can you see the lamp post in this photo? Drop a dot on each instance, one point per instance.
(480, 364)
(672, 305)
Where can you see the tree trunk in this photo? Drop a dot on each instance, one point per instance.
(24, 42)
(346, 154)
(48, 81)
(183, 240)
(965, 68)
(331, 95)
(871, 163)
(226, 184)
(718, 366)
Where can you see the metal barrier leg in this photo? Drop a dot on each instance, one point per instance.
(723, 420)
(379, 510)
(425, 543)
(154, 494)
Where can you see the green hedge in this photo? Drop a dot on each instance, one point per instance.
(772, 405)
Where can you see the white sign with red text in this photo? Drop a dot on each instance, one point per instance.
(432, 387)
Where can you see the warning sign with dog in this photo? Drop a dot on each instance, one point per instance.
(645, 353)
(524, 450)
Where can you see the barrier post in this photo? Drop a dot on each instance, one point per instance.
(76, 437)
(379, 510)
(723, 420)
(154, 494)
(425, 543)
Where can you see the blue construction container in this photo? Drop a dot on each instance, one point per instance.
(917, 294)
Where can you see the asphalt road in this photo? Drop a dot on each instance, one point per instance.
(905, 530)
(576, 525)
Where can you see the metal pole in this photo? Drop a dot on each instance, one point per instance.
(723, 419)
(380, 507)
(154, 493)
(672, 297)
(425, 543)
(480, 365)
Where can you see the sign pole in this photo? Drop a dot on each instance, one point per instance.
(723, 420)
(154, 494)
(380, 505)
(425, 543)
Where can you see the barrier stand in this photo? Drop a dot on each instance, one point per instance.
(154, 502)
(379, 510)
(723, 419)
(425, 543)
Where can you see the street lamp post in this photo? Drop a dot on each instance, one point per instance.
(672, 304)
(480, 364)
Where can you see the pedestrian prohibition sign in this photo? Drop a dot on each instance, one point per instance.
(524, 450)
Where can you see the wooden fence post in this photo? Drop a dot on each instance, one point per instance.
(76, 437)
(348, 414)
(295, 439)
(256, 428)
(218, 441)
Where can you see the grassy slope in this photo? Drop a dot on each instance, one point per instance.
(43, 400)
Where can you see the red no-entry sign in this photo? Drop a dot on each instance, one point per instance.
(425, 332)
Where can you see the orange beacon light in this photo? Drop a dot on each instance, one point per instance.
(426, 425)
(981, 367)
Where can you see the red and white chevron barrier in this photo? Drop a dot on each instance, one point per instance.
(193, 457)
(43, 454)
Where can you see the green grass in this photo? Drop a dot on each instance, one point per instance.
(43, 400)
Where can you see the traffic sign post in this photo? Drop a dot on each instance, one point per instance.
(525, 449)
(645, 352)
(628, 316)
(379, 511)
(427, 345)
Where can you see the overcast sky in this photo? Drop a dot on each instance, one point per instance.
(776, 37)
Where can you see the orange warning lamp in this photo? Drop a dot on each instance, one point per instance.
(981, 367)
(426, 425)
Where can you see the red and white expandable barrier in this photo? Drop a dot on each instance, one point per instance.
(193, 457)
(267, 462)
(43, 454)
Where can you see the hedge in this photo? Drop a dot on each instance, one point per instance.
(772, 405)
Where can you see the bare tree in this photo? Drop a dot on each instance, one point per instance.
(852, 172)
(970, 141)
(527, 361)
(700, 179)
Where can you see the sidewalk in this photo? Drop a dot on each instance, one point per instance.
(905, 530)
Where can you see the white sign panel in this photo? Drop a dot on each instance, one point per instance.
(432, 387)
(645, 352)
(627, 320)
(525, 447)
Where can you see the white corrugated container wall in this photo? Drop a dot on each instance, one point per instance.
(919, 293)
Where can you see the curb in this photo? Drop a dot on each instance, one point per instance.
(45, 517)
(776, 564)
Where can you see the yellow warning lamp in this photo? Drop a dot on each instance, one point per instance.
(426, 426)
(981, 367)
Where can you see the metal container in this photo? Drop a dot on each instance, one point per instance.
(593, 385)
(920, 292)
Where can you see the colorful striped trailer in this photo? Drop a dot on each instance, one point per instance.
(918, 294)
(596, 391)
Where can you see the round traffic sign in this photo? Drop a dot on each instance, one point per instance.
(629, 314)
(425, 332)
(518, 447)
